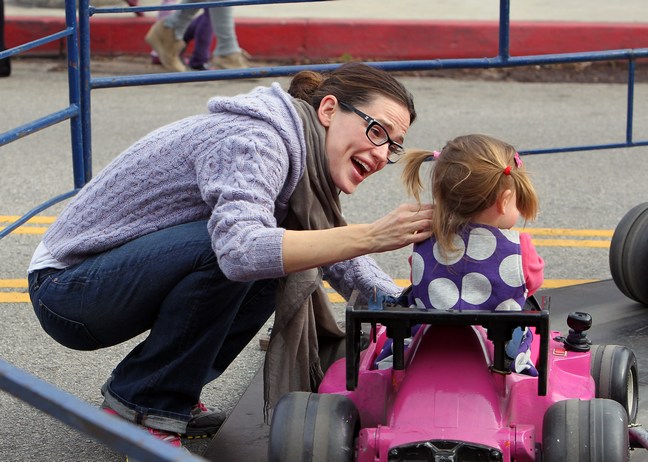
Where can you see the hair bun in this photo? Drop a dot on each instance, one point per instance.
(304, 85)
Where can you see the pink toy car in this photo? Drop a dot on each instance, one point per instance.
(448, 395)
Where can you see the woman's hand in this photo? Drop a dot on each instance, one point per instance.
(405, 225)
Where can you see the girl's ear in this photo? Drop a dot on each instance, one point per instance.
(327, 109)
(503, 201)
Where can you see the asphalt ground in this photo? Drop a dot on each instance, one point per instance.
(583, 196)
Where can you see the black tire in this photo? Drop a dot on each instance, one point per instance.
(585, 431)
(614, 369)
(311, 427)
(629, 254)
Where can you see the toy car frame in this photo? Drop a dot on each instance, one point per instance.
(449, 395)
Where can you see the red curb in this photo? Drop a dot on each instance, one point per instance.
(319, 39)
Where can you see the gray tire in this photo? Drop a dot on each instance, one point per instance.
(629, 254)
(312, 427)
(614, 369)
(585, 431)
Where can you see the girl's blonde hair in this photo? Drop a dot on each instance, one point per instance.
(468, 176)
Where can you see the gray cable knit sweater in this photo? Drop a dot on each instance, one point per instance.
(236, 166)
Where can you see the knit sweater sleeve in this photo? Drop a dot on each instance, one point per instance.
(241, 189)
(362, 273)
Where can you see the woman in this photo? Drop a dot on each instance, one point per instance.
(188, 232)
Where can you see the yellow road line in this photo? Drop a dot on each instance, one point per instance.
(602, 244)
(14, 297)
(334, 297)
(36, 220)
(555, 283)
(567, 232)
(602, 233)
(570, 243)
(27, 230)
(535, 231)
(13, 283)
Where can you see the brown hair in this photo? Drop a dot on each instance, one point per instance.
(353, 83)
(467, 178)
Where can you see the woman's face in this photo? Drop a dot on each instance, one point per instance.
(352, 157)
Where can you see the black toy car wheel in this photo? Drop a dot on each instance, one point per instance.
(585, 431)
(311, 427)
(629, 254)
(614, 369)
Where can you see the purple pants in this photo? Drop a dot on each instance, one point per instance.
(201, 31)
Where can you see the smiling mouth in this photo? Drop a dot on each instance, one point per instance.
(361, 167)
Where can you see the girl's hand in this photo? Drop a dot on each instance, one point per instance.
(405, 225)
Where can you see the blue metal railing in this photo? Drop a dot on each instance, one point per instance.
(80, 415)
(114, 432)
(71, 113)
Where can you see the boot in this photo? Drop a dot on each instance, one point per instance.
(162, 39)
(237, 60)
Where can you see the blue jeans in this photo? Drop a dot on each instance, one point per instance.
(168, 282)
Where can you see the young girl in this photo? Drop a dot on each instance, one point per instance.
(474, 261)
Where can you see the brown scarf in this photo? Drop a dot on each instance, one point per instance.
(303, 309)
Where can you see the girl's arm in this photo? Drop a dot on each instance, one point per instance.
(532, 264)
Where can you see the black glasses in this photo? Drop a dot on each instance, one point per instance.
(378, 135)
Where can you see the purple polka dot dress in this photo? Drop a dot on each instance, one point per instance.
(485, 273)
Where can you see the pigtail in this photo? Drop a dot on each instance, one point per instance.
(412, 161)
(527, 198)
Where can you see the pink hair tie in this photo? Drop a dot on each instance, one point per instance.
(436, 154)
(507, 170)
(518, 161)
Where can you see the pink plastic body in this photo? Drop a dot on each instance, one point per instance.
(447, 391)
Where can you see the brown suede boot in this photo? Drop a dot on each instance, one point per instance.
(237, 60)
(162, 39)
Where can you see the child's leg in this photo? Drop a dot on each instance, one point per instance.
(200, 30)
(190, 33)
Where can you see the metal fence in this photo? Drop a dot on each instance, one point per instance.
(124, 436)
